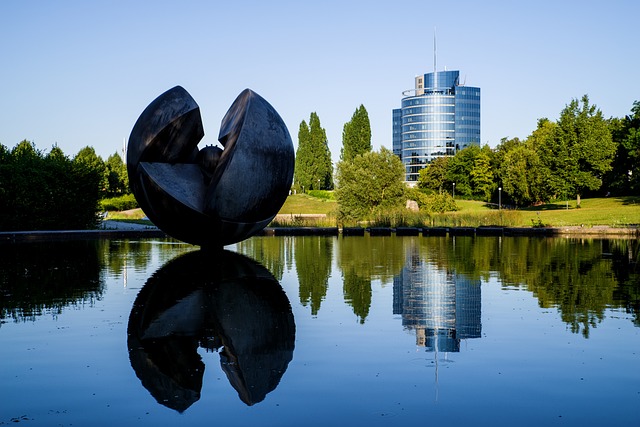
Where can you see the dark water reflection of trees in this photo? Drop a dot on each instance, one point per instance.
(39, 278)
(581, 278)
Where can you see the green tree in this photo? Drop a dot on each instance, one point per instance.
(90, 171)
(369, 184)
(45, 192)
(482, 177)
(459, 170)
(520, 175)
(502, 149)
(356, 135)
(117, 178)
(624, 177)
(313, 169)
(580, 152)
(89, 160)
(541, 141)
(434, 176)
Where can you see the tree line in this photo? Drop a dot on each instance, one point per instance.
(365, 182)
(581, 154)
(51, 191)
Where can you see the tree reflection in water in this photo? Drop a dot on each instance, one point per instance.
(223, 302)
(580, 277)
(45, 277)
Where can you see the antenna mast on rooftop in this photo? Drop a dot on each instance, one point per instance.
(435, 50)
(435, 56)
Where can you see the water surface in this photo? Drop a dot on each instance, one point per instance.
(319, 331)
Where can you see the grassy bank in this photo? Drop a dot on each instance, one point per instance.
(297, 204)
(612, 211)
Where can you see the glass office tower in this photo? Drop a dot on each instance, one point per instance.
(439, 117)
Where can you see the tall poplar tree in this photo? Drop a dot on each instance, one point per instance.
(356, 135)
(314, 169)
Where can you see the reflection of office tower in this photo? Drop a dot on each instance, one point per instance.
(468, 307)
(441, 307)
(397, 294)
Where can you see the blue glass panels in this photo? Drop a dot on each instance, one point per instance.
(438, 119)
(397, 132)
(467, 116)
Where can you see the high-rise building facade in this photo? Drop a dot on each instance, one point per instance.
(437, 118)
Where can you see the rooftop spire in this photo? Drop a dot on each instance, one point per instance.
(435, 56)
(435, 50)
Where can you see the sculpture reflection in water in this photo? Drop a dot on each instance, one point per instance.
(223, 302)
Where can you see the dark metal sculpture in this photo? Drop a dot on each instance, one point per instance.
(210, 196)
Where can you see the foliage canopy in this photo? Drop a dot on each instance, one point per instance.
(370, 183)
(48, 192)
(356, 135)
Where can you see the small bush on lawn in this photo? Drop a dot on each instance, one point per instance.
(122, 203)
(321, 194)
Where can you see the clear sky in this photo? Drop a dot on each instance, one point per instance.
(78, 73)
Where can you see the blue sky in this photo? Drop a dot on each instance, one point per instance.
(78, 73)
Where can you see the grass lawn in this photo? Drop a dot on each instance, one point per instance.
(132, 215)
(472, 206)
(611, 211)
(305, 204)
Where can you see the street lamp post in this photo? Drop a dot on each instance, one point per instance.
(454, 190)
(499, 198)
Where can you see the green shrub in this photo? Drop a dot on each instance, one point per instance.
(433, 202)
(122, 203)
(321, 194)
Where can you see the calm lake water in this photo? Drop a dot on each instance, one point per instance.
(315, 331)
